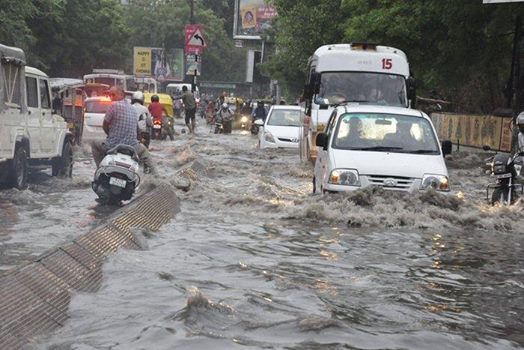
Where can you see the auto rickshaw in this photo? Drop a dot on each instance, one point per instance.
(166, 101)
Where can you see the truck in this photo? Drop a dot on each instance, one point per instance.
(31, 135)
(358, 73)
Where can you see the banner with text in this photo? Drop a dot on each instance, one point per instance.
(159, 63)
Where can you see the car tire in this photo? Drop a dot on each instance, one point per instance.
(63, 166)
(18, 169)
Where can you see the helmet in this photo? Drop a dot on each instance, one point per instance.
(520, 122)
(520, 119)
(224, 105)
(155, 98)
(138, 96)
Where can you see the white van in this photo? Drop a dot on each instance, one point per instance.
(392, 147)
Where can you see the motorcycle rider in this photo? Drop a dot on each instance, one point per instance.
(145, 122)
(159, 113)
(259, 112)
(225, 116)
(121, 125)
(520, 124)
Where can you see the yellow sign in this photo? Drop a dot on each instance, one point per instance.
(142, 61)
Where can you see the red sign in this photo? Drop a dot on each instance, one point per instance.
(194, 39)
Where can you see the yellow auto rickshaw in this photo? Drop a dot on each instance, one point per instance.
(167, 102)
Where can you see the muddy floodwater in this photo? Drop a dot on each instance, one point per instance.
(255, 261)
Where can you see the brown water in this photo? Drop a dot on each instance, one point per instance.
(255, 261)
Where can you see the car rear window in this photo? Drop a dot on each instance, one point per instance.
(97, 106)
(283, 117)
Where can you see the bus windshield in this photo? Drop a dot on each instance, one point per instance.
(362, 87)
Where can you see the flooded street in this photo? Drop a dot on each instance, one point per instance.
(255, 261)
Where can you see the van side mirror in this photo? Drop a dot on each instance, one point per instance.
(322, 140)
(446, 147)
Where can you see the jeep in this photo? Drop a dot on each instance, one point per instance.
(30, 135)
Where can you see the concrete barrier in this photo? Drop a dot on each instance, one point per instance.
(34, 298)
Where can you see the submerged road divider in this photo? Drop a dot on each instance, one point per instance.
(34, 298)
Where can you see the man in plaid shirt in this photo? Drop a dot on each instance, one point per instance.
(121, 127)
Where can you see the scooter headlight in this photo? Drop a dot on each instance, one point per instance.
(438, 182)
(269, 137)
(498, 168)
(346, 177)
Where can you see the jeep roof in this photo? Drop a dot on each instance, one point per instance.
(9, 53)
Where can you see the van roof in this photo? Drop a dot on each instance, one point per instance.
(34, 71)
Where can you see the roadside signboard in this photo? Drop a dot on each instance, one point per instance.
(195, 42)
(252, 17)
(158, 63)
(193, 64)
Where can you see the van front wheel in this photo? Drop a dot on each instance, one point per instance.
(19, 169)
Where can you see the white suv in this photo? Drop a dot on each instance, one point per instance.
(30, 135)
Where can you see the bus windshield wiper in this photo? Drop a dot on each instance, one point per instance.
(348, 101)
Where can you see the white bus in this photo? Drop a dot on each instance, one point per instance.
(111, 77)
(359, 73)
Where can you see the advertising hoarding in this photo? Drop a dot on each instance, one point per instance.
(158, 63)
(252, 17)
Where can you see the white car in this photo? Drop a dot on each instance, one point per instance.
(281, 128)
(95, 111)
(391, 147)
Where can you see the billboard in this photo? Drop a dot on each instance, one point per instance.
(158, 63)
(252, 17)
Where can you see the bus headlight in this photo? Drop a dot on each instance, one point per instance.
(346, 177)
(438, 182)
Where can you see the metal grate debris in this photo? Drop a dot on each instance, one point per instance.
(34, 298)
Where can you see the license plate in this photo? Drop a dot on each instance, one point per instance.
(503, 176)
(156, 126)
(117, 182)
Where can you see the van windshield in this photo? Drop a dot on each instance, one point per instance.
(385, 133)
(363, 87)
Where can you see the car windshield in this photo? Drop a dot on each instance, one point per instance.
(362, 87)
(97, 106)
(284, 117)
(385, 133)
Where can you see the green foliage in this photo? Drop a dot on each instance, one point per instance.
(458, 49)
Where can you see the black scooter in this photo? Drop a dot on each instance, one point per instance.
(505, 168)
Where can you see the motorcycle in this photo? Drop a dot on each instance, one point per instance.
(156, 133)
(505, 168)
(254, 127)
(117, 177)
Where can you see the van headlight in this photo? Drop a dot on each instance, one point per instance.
(346, 177)
(268, 137)
(438, 182)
